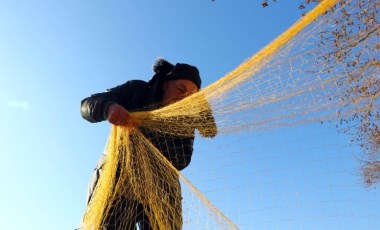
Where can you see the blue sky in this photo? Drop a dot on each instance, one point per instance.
(55, 53)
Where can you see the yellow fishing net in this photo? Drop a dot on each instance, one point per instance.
(299, 78)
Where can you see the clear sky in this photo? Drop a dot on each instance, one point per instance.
(55, 53)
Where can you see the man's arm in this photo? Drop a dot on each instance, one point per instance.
(96, 107)
(184, 151)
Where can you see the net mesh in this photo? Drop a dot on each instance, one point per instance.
(267, 114)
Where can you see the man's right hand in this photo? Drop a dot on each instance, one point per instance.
(118, 115)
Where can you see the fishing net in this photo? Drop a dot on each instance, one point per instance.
(273, 163)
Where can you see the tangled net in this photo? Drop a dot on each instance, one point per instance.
(305, 76)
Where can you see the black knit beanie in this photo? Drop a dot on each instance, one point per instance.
(185, 71)
(169, 71)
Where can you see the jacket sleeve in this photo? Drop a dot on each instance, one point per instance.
(94, 108)
(184, 151)
(178, 150)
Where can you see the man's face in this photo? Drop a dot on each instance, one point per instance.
(175, 90)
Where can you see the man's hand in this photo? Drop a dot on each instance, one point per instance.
(117, 115)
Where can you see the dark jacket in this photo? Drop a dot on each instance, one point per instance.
(137, 95)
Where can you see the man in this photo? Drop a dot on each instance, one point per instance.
(170, 83)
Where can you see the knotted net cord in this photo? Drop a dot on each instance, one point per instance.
(286, 83)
